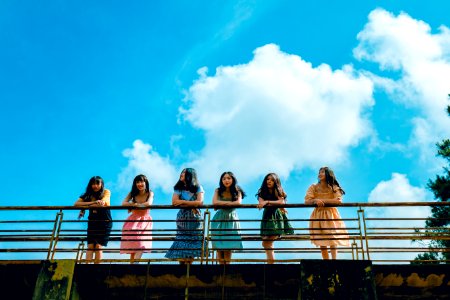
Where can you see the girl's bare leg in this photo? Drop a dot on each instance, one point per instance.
(333, 251)
(324, 251)
(98, 253)
(90, 253)
(226, 257)
(268, 247)
(220, 257)
(134, 256)
(187, 261)
(138, 255)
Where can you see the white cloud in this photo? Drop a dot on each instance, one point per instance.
(422, 58)
(396, 189)
(143, 160)
(399, 189)
(276, 113)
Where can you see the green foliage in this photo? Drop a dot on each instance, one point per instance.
(428, 256)
(444, 149)
(438, 223)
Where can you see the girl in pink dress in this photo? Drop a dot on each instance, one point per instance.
(330, 231)
(136, 231)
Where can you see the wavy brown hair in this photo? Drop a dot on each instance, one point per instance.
(331, 180)
(278, 191)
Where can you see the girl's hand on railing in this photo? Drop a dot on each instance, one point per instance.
(261, 204)
(100, 202)
(177, 203)
(319, 202)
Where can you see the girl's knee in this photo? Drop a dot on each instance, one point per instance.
(267, 244)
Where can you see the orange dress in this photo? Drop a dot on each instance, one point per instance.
(331, 230)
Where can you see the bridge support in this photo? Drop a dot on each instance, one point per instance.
(55, 280)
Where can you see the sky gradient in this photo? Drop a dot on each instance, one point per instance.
(102, 88)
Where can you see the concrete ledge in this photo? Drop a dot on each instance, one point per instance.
(413, 281)
(310, 279)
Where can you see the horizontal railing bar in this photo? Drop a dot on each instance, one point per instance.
(408, 237)
(27, 221)
(419, 248)
(411, 228)
(404, 219)
(356, 204)
(409, 261)
(26, 230)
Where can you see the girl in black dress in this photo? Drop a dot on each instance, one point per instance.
(99, 220)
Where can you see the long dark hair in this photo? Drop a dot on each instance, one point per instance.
(89, 193)
(135, 191)
(331, 180)
(278, 191)
(234, 188)
(190, 183)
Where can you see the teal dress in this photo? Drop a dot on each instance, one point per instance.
(225, 229)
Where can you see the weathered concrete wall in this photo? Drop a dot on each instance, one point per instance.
(413, 281)
(311, 279)
(18, 279)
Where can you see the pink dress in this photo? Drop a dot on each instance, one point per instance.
(137, 232)
(331, 230)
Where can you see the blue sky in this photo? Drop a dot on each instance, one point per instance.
(102, 88)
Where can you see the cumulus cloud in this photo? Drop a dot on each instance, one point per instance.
(397, 189)
(422, 58)
(277, 113)
(142, 159)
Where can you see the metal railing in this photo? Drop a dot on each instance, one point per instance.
(30, 233)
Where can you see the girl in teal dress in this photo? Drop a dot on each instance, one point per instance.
(274, 222)
(225, 227)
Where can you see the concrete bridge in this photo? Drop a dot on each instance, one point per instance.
(308, 279)
(42, 258)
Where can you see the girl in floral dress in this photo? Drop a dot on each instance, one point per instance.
(188, 194)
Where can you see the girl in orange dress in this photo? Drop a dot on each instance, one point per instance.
(330, 231)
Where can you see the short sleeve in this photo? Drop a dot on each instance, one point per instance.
(107, 197)
(200, 189)
(310, 195)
